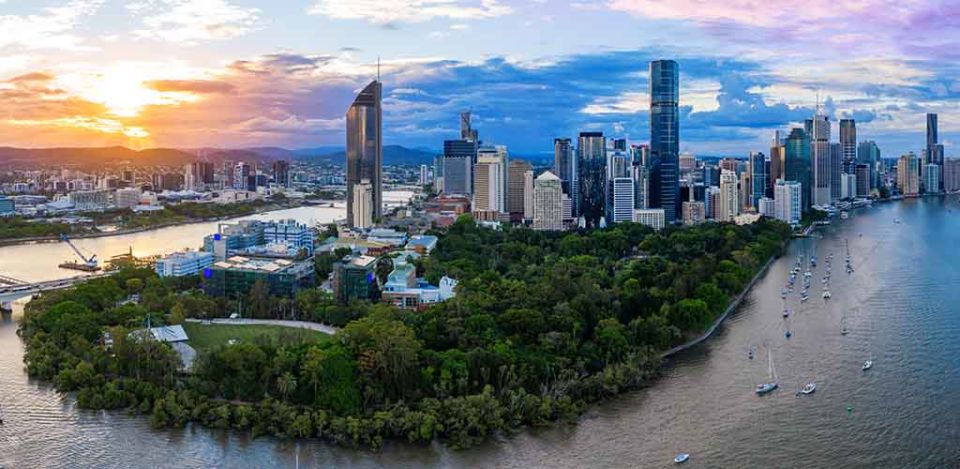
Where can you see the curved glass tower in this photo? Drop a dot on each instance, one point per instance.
(665, 137)
(365, 149)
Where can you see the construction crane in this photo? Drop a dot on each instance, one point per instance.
(90, 264)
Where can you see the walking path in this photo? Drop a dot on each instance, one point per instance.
(314, 326)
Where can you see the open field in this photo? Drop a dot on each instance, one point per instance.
(203, 336)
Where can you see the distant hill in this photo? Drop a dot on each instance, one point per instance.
(94, 156)
(392, 154)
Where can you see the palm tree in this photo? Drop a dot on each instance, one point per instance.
(287, 384)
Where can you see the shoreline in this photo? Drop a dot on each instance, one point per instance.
(733, 306)
(141, 229)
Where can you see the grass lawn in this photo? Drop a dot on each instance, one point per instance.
(204, 336)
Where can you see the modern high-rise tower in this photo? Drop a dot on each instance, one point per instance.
(665, 137)
(820, 152)
(365, 149)
(565, 167)
(797, 165)
(592, 174)
(848, 145)
(934, 147)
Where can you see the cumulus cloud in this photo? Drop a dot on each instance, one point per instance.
(191, 21)
(409, 11)
(53, 28)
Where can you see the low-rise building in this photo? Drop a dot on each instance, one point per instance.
(236, 276)
(180, 264)
(355, 278)
(404, 290)
(7, 206)
(422, 244)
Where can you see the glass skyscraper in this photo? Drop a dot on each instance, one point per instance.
(759, 178)
(848, 145)
(797, 162)
(365, 148)
(565, 167)
(592, 173)
(665, 137)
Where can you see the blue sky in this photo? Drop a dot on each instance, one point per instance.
(247, 72)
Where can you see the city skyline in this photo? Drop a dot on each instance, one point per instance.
(242, 73)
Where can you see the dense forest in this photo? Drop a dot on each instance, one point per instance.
(543, 324)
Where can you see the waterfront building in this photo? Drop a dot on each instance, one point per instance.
(517, 188)
(848, 145)
(653, 217)
(777, 163)
(788, 201)
(624, 200)
(665, 137)
(246, 234)
(934, 149)
(951, 174)
(863, 180)
(548, 201)
(836, 169)
(565, 167)
(458, 159)
(798, 164)
(126, 198)
(365, 148)
(355, 278)
(869, 153)
(908, 175)
(694, 212)
(289, 232)
(729, 196)
(362, 205)
(7, 206)
(931, 178)
(90, 200)
(592, 174)
(180, 264)
(848, 186)
(820, 154)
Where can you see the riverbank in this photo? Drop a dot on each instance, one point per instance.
(730, 309)
(142, 229)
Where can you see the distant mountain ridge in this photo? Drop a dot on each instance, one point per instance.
(96, 156)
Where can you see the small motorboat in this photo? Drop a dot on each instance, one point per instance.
(826, 295)
(681, 458)
(867, 365)
(788, 334)
(804, 298)
(808, 388)
(786, 313)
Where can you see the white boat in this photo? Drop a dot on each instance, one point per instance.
(804, 298)
(826, 295)
(867, 365)
(809, 388)
(764, 388)
(786, 313)
(681, 458)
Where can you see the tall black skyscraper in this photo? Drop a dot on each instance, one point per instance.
(934, 148)
(848, 145)
(798, 166)
(665, 138)
(365, 148)
(281, 173)
(592, 174)
(565, 167)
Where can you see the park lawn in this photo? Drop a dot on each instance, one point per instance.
(208, 336)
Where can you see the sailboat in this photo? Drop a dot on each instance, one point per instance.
(773, 384)
(867, 365)
(843, 327)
